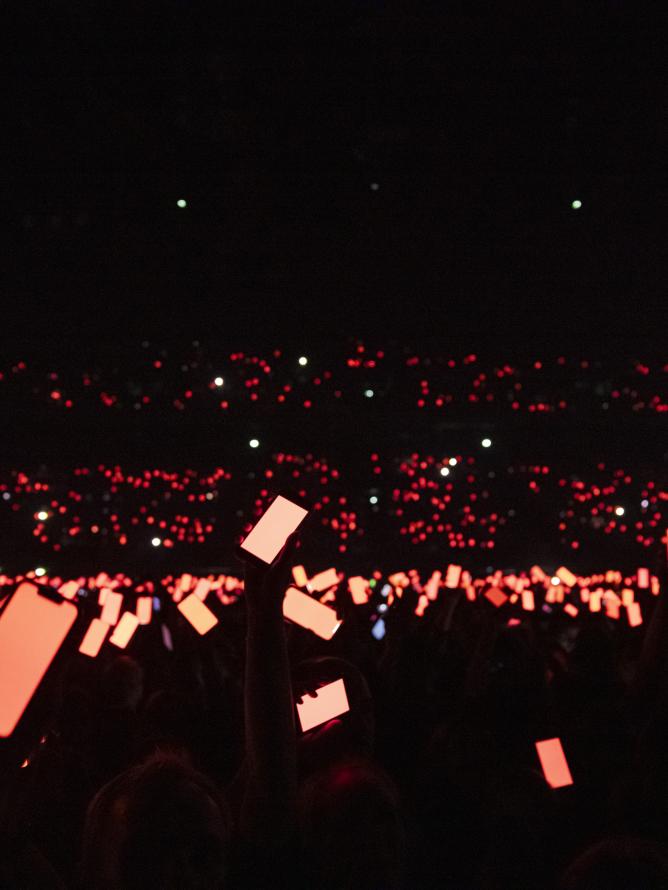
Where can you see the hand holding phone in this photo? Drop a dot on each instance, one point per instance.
(330, 701)
(269, 535)
(264, 582)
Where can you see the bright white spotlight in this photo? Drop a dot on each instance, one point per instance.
(445, 471)
(486, 443)
(254, 443)
(576, 204)
(373, 499)
(619, 511)
(39, 571)
(302, 360)
(218, 381)
(644, 503)
(42, 515)
(156, 542)
(368, 393)
(181, 203)
(555, 581)
(453, 461)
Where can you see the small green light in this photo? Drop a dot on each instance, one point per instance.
(182, 203)
(576, 204)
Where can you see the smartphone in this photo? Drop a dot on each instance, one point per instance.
(144, 609)
(267, 538)
(94, 638)
(330, 701)
(634, 614)
(32, 630)
(310, 614)
(553, 761)
(111, 610)
(378, 630)
(323, 580)
(197, 613)
(124, 630)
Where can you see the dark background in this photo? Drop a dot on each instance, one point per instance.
(479, 123)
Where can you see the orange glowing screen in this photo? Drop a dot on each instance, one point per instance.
(198, 614)
(553, 762)
(144, 609)
(330, 701)
(566, 576)
(94, 637)
(309, 613)
(453, 576)
(323, 580)
(634, 614)
(112, 607)
(496, 597)
(358, 588)
(32, 630)
(202, 589)
(528, 602)
(69, 590)
(124, 630)
(300, 576)
(268, 537)
(643, 578)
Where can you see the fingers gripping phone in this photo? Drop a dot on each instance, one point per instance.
(268, 536)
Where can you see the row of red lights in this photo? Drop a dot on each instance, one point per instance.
(454, 501)
(441, 383)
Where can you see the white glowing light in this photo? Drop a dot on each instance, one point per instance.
(486, 443)
(374, 186)
(254, 443)
(644, 503)
(368, 393)
(218, 381)
(42, 515)
(156, 542)
(373, 499)
(302, 360)
(181, 203)
(453, 461)
(555, 581)
(39, 571)
(445, 471)
(619, 511)
(576, 204)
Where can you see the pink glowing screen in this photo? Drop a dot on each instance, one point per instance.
(94, 637)
(32, 630)
(309, 613)
(330, 701)
(197, 613)
(268, 537)
(553, 761)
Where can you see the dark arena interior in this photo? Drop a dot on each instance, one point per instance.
(333, 474)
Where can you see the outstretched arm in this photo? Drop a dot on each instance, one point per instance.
(268, 812)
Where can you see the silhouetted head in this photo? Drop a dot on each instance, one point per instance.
(351, 829)
(161, 824)
(350, 735)
(619, 864)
